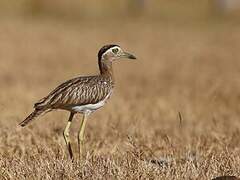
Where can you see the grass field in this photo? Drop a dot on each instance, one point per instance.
(192, 71)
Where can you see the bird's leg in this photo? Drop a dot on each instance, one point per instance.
(81, 134)
(66, 135)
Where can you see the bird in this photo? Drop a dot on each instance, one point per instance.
(83, 94)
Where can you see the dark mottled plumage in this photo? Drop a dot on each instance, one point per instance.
(77, 91)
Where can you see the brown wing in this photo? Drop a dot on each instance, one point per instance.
(77, 91)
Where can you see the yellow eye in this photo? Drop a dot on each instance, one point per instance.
(115, 50)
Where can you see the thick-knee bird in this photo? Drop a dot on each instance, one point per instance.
(84, 94)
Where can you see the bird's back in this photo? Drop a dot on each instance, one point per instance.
(77, 92)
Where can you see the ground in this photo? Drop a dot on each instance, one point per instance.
(174, 113)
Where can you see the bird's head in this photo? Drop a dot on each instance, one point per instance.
(112, 52)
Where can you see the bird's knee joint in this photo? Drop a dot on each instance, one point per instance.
(80, 138)
(65, 134)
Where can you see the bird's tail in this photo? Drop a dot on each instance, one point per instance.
(31, 117)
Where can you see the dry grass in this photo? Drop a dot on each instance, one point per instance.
(138, 134)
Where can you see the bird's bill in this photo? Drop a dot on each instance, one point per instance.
(127, 55)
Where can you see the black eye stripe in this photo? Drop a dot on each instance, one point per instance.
(115, 50)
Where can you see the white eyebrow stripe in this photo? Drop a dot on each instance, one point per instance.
(110, 49)
(115, 47)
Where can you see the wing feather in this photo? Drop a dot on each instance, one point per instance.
(77, 91)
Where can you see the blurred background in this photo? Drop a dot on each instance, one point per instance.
(188, 64)
(176, 10)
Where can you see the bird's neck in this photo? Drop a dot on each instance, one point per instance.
(105, 67)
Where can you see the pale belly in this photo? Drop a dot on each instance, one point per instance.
(88, 108)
